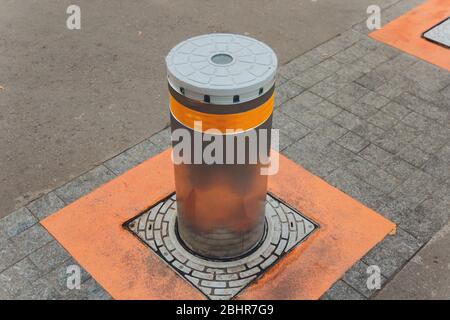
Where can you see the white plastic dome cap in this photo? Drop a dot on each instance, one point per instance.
(221, 68)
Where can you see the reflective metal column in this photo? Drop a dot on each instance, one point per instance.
(218, 83)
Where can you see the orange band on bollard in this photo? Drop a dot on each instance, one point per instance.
(237, 121)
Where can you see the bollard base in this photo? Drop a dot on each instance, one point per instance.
(92, 230)
(219, 280)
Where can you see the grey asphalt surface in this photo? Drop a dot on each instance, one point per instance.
(72, 99)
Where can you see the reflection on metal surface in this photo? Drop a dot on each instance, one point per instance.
(224, 82)
(157, 228)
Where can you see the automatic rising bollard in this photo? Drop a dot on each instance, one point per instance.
(221, 92)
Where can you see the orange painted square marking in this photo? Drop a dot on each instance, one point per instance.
(91, 230)
(405, 32)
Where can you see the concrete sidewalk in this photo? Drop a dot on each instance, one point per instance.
(367, 118)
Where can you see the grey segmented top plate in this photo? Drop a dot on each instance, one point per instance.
(286, 228)
(221, 66)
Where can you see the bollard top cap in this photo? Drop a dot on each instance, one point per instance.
(226, 68)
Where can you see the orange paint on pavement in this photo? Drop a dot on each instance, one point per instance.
(91, 230)
(405, 32)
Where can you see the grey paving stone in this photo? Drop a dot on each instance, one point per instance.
(49, 256)
(288, 126)
(286, 92)
(387, 259)
(368, 105)
(353, 142)
(421, 106)
(59, 276)
(337, 155)
(413, 156)
(357, 277)
(8, 254)
(348, 95)
(311, 161)
(438, 168)
(368, 131)
(398, 168)
(17, 222)
(347, 120)
(305, 116)
(314, 56)
(396, 138)
(353, 71)
(374, 58)
(371, 174)
(390, 207)
(330, 130)
(444, 153)
(121, 163)
(353, 186)
(396, 110)
(162, 140)
(284, 141)
(296, 66)
(80, 186)
(417, 187)
(430, 77)
(329, 86)
(311, 76)
(45, 205)
(342, 291)
(374, 99)
(332, 65)
(395, 86)
(95, 291)
(431, 141)
(372, 80)
(403, 243)
(327, 109)
(370, 43)
(31, 239)
(388, 51)
(352, 53)
(383, 120)
(446, 91)
(426, 219)
(339, 43)
(39, 290)
(415, 120)
(313, 143)
(307, 99)
(436, 98)
(143, 151)
(17, 277)
(375, 155)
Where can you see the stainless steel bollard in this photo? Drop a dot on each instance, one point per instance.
(217, 83)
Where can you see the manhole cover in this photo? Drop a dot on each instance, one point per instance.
(156, 227)
(440, 34)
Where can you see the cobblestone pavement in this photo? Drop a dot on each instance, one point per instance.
(221, 280)
(367, 118)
